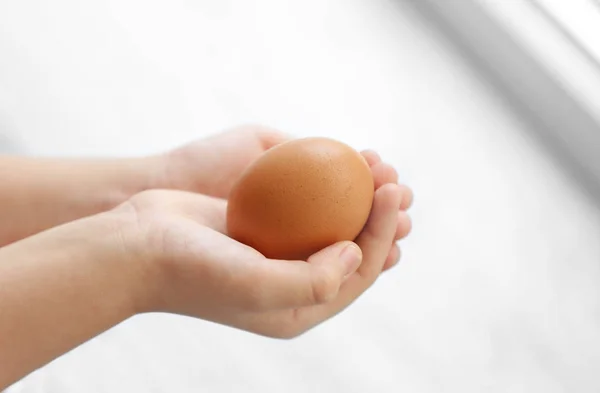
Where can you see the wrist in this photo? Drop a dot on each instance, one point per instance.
(183, 169)
(99, 254)
(137, 253)
(122, 247)
(108, 246)
(134, 176)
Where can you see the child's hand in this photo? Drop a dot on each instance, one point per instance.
(211, 166)
(193, 268)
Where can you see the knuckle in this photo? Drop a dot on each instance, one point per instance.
(324, 285)
(255, 299)
(369, 272)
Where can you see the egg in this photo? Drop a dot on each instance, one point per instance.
(300, 197)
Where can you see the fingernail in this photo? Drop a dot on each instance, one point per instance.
(351, 256)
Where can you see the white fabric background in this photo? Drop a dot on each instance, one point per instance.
(498, 289)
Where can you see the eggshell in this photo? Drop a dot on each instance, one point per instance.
(300, 197)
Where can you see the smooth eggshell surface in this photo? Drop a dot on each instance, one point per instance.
(299, 197)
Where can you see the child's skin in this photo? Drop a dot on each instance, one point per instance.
(90, 243)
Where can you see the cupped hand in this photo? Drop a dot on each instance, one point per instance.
(211, 166)
(193, 268)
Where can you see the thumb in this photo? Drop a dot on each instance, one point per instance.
(342, 259)
(292, 284)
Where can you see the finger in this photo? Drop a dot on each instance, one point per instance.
(282, 284)
(393, 257)
(374, 242)
(371, 157)
(404, 225)
(383, 174)
(407, 197)
(379, 231)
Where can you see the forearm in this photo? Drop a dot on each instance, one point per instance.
(59, 289)
(39, 193)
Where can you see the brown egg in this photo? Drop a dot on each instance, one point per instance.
(300, 197)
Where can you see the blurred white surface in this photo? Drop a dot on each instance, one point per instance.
(580, 19)
(498, 290)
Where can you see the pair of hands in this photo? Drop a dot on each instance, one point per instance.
(178, 239)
